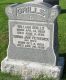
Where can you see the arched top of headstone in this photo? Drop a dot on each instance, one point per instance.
(33, 11)
(38, 1)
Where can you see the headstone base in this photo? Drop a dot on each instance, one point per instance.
(31, 69)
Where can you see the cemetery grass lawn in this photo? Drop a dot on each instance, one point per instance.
(4, 34)
(4, 76)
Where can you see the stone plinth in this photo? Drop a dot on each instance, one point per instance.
(31, 69)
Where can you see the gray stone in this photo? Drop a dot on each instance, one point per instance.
(33, 32)
(29, 69)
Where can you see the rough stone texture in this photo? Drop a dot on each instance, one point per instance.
(31, 69)
(30, 45)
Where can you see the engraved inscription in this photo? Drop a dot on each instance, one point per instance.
(31, 36)
(31, 10)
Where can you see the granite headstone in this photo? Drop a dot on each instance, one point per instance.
(33, 38)
(33, 33)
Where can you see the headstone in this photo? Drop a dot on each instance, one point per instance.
(33, 40)
(52, 2)
(31, 35)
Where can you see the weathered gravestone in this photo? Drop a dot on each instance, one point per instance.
(53, 2)
(33, 40)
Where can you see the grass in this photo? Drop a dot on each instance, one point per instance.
(13, 1)
(4, 34)
(5, 76)
(42, 77)
(62, 27)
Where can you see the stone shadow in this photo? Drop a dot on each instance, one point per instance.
(63, 11)
(64, 71)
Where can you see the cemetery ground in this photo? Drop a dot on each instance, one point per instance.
(4, 36)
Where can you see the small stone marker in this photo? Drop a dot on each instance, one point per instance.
(33, 40)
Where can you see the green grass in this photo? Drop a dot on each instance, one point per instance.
(62, 27)
(63, 4)
(4, 34)
(4, 76)
(42, 77)
(13, 1)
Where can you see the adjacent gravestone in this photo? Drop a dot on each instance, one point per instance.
(33, 40)
(53, 2)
